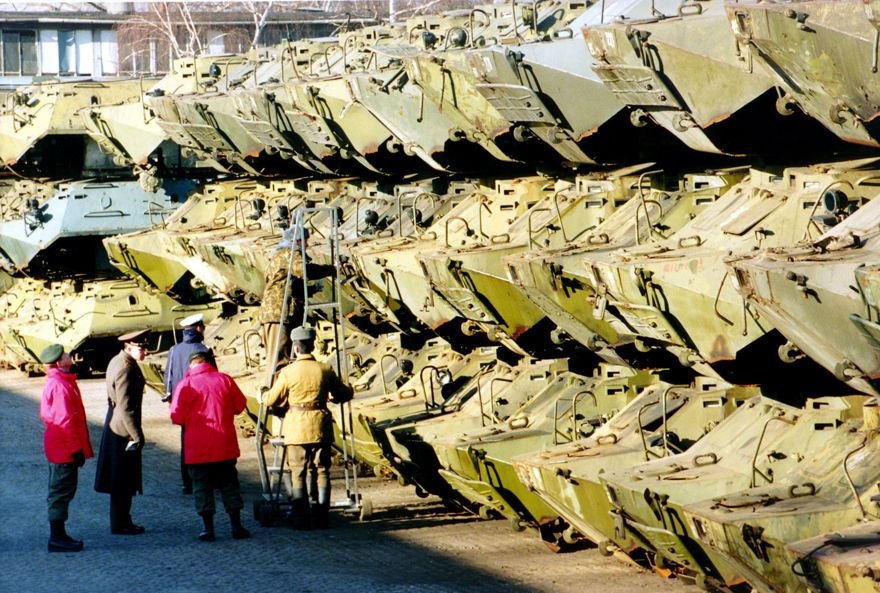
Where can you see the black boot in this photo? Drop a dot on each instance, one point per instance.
(299, 509)
(238, 530)
(321, 512)
(207, 533)
(59, 541)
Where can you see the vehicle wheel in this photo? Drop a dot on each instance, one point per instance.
(605, 547)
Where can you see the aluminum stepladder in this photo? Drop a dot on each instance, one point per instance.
(332, 310)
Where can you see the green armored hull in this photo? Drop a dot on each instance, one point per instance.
(478, 463)
(85, 318)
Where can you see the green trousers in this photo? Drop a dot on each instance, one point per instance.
(220, 475)
(62, 488)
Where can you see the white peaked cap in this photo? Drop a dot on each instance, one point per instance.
(192, 320)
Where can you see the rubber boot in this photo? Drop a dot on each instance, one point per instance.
(59, 541)
(238, 530)
(207, 532)
(321, 514)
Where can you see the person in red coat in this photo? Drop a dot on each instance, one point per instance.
(205, 403)
(66, 442)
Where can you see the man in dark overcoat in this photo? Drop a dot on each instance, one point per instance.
(119, 456)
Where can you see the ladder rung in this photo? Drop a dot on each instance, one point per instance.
(322, 305)
(277, 469)
(277, 442)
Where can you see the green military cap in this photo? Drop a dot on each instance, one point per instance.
(51, 353)
(203, 354)
(305, 333)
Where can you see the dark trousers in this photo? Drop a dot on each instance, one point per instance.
(220, 475)
(62, 488)
(120, 510)
(315, 456)
(184, 472)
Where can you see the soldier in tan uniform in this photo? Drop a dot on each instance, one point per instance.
(305, 387)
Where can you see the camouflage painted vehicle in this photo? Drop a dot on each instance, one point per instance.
(562, 284)
(85, 317)
(831, 488)
(42, 120)
(821, 53)
(821, 294)
(477, 462)
(678, 293)
(763, 443)
(662, 419)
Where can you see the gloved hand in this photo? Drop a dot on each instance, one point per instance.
(79, 458)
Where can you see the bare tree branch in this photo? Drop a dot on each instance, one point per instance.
(260, 17)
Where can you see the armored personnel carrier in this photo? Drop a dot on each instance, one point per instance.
(676, 292)
(664, 186)
(40, 121)
(478, 462)
(820, 54)
(822, 298)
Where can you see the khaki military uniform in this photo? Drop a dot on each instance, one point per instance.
(304, 387)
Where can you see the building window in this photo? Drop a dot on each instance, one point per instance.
(66, 52)
(19, 52)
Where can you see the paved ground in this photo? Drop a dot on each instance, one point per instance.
(408, 545)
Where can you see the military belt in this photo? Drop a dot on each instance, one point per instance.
(306, 407)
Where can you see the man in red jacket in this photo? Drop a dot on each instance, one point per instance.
(66, 441)
(205, 403)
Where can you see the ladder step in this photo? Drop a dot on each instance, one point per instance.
(277, 469)
(277, 442)
(332, 304)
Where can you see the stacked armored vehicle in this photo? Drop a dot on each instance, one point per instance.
(608, 270)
